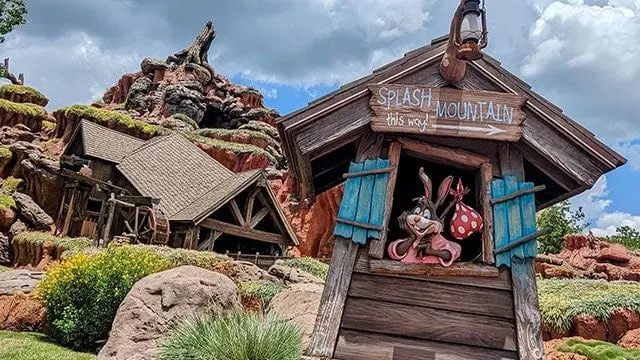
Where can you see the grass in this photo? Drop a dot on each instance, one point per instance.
(33, 346)
(181, 257)
(264, 289)
(310, 265)
(11, 184)
(186, 119)
(233, 336)
(108, 118)
(69, 245)
(5, 152)
(48, 125)
(4, 268)
(30, 110)
(7, 90)
(562, 300)
(226, 134)
(598, 350)
(228, 146)
(6, 201)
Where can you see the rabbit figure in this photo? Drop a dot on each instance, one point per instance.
(425, 243)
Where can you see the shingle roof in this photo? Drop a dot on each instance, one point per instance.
(173, 169)
(106, 144)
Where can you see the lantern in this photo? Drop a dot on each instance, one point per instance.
(471, 32)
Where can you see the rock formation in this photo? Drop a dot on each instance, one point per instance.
(20, 280)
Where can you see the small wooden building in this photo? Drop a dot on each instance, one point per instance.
(166, 191)
(393, 137)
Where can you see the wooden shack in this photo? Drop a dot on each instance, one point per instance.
(402, 137)
(166, 191)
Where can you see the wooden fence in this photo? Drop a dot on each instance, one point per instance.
(264, 261)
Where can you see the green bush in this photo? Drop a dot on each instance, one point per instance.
(69, 246)
(264, 289)
(182, 257)
(562, 221)
(32, 346)
(310, 265)
(83, 293)
(562, 300)
(233, 336)
(598, 350)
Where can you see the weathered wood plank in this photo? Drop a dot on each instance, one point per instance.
(427, 270)
(485, 177)
(360, 345)
(237, 214)
(528, 216)
(349, 203)
(514, 218)
(378, 197)
(459, 298)
(429, 324)
(500, 225)
(236, 230)
(443, 154)
(377, 247)
(364, 203)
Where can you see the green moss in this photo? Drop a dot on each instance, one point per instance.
(70, 245)
(186, 119)
(108, 118)
(181, 257)
(228, 146)
(226, 134)
(263, 289)
(4, 268)
(48, 125)
(5, 153)
(30, 110)
(10, 185)
(562, 300)
(6, 201)
(120, 106)
(598, 350)
(310, 265)
(33, 346)
(6, 91)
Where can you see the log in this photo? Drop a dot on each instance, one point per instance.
(197, 53)
(549, 260)
(4, 72)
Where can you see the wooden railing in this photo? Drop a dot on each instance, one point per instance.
(264, 261)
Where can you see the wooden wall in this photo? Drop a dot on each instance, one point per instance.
(448, 318)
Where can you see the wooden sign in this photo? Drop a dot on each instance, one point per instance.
(415, 109)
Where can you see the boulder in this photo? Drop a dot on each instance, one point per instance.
(7, 218)
(157, 301)
(31, 212)
(550, 352)
(20, 312)
(5, 251)
(630, 340)
(299, 304)
(17, 228)
(290, 275)
(242, 271)
(137, 98)
(22, 280)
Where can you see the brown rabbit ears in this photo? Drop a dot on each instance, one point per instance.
(443, 189)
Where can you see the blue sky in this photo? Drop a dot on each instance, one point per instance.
(580, 54)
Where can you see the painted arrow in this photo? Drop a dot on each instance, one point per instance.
(489, 129)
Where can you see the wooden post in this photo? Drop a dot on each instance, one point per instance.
(100, 225)
(325, 333)
(67, 219)
(523, 276)
(106, 234)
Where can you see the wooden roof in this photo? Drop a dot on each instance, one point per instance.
(326, 124)
(103, 143)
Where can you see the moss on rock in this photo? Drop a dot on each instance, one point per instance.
(10, 185)
(111, 119)
(48, 125)
(186, 119)
(22, 94)
(5, 153)
(65, 245)
(7, 202)
(221, 145)
(231, 135)
(32, 111)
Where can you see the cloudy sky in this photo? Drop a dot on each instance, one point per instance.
(580, 54)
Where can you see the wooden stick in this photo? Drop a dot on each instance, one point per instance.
(549, 260)
(367, 172)
(362, 225)
(112, 211)
(517, 194)
(447, 155)
(524, 240)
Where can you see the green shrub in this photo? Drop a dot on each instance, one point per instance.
(182, 257)
(10, 185)
(264, 289)
(49, 125)
(562, 221)
(598, 350)
(68, 245)
(83, 293)
(233, 336)
(32, 346)
(562, 300)
(310, 265)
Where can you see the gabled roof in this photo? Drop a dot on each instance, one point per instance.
(173, 169)
(341, 116)
(103, 143)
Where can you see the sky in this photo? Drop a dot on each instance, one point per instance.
(579, 54)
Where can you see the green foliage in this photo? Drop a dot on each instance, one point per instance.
(10, 185)
(68, 245)
(108, 118)
(4, 268)
(562, 300)
(598, 350)
(627, 236)
(12, 13)
(6, 201)
(30, 110)
(310, 265)
(228, 146)
(186, 119)
(5, 153)
(226, 134)
(233, 336)
(83, 293)
(562, 221)
(49, 125)
(35, 96)
(182, 257)
(264, 289)
(33, 346)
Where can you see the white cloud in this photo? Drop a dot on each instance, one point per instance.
(630, 150)
(608, 223)
(593, 202)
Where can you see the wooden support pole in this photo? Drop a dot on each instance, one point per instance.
(485, 178)
(249, 208)
(523, 276)
(67, 219)
(235, 209)
(106, 235)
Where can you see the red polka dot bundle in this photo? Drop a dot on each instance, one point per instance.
(465, 220)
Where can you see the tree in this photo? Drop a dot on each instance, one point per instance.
(627, 236)
(12, 13)
(562, 221)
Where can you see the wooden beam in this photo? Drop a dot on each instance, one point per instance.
(106, 235)
(235, 209)
(523, 276)
(392, 267)
(443, 154)
(249, 208)
(485, 177)
(255, 220)
(67, 220)
(240, 231)
(276, 219)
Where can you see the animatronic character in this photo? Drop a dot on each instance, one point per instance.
(425, 243)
